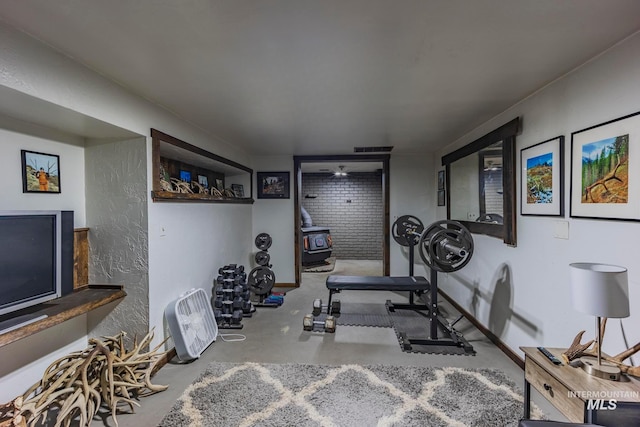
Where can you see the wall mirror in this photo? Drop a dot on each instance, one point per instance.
(481, 184)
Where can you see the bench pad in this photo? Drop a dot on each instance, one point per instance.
(377, 283)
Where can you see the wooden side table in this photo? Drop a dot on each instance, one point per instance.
(570, 389)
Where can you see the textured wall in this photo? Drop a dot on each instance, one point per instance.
(352, 207)
(116, 194)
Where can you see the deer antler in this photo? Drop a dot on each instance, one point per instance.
(104, 374)
(577, 350)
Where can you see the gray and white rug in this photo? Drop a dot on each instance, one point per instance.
(253, 394)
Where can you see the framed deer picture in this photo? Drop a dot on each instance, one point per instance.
(40, 172)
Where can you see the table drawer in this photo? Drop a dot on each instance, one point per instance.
(554, 391)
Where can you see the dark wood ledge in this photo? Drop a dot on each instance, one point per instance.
(81, 301)
(168, 196)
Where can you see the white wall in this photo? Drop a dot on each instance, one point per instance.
(188, 243)
(529, 285)
(71, 168)
(276, 217)
(412, 191)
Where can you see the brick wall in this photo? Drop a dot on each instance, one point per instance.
(351, 207)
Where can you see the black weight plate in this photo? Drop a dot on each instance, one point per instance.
(263, 241)
(261, 280)
(262, 258)
(441, 243)
(406, 230)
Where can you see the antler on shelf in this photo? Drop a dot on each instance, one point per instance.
(577, 350)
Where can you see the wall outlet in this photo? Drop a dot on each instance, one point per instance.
(561, 229)
(471, 216)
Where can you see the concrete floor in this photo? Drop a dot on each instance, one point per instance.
(276, 336)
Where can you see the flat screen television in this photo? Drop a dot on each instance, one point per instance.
(34, 257)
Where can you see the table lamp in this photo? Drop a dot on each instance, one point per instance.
(601, 290)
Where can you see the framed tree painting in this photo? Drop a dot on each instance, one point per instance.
(605, 170)
(40, 172)
(542, 189)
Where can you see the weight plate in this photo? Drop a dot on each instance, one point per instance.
(261, 280)
(406, 230)
(263, 241)
(446, 246)
(262, 258)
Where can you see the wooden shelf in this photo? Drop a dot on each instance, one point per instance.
(171, 157)
(81, 301)
(168, 196)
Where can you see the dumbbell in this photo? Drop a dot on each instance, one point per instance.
(236, 317)
(329, 324)
(217, 303)
(237, 303)
(246, 307)
(318, 307)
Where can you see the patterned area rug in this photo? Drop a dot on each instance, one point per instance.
(252, 394)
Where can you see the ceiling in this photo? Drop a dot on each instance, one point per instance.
(320, 77)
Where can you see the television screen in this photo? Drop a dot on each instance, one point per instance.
(29, 259)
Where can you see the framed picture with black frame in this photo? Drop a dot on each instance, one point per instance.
(441, 181)
(40, 172)
(238, 190)
(605, 165)
(542, 178)
(273, 185)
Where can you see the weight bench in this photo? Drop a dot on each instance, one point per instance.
(411, 284)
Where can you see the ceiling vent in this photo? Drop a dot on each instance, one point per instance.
(377, 149)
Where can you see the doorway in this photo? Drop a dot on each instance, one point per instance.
(327, 164)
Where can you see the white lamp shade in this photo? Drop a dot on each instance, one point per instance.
(600, 289)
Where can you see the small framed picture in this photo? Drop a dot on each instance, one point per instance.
(185, 176)
(238, 189)
(219, 184)
(441, 180)
(203, 180)
(542, 177)
(40, 172)
(273, 185)
(441, 197)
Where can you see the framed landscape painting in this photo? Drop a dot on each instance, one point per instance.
(542, 191)
(605, 170)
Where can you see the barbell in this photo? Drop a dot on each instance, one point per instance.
(444, 246)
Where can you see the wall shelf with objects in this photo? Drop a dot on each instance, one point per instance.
(185, 173)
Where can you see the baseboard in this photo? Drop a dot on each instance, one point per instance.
(285, 285)
(492, 337)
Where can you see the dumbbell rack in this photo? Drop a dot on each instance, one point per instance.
(231, 297)
(262, 278)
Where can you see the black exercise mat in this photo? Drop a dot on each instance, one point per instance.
(361, 314)
(415, 324)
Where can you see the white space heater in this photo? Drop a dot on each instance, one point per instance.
(193, 327)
